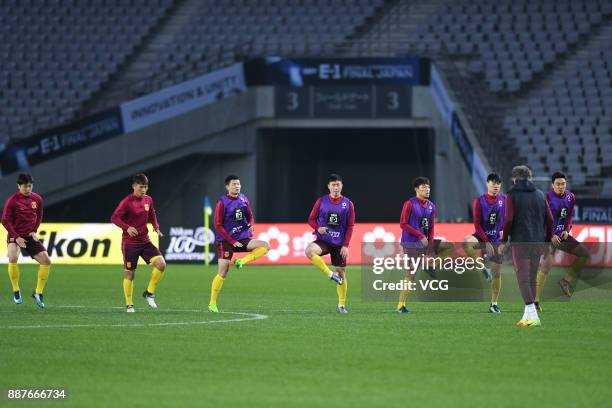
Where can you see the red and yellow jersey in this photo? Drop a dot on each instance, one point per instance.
(135, 212)
(22, 214)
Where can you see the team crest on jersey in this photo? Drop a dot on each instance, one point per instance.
(343, 205)
(500, 203)
(425, 225)
(34, 206)
(333, 219)
(146, 206)
(492, 219)
(238, 214)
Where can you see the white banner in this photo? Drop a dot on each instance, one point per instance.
(181, 98)
(187, 244)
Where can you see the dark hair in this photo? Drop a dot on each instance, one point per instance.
(333, 177)
(418, 181)
(494, 177)
(231, 177)
(557, 175)
(521, 173)
(141, 179)
(24, 178)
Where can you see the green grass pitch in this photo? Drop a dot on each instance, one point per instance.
(302, 355)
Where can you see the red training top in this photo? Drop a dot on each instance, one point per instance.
(135, 212)
(22, 215)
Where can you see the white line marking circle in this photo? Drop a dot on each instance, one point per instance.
(248, 317)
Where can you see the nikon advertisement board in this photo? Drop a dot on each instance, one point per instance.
(78, 243)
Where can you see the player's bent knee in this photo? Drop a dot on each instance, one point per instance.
(44, 259)
(160, 264)
(312, 250)
(470, 240)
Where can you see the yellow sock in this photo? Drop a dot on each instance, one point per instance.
(403, 296)
(215, 289)
(13, 273)
(575, 268)
(317, 261)
(540, 280)
(128, 288)
(156, 277)
(495, 289)
(254, 254)
(341, 290)
(43, 275)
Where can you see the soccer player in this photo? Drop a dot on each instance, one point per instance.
(528, 224)
(561, 203)
(332, 218)
(417, 222)
(21, 216)
(132, 215)
(234, 231)
(488, 211)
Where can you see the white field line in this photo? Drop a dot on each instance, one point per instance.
(247, 317)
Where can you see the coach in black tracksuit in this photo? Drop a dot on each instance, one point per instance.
(528, 225)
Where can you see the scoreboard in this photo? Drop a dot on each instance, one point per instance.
(349, 101)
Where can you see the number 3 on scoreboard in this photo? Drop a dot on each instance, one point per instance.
(293, 101)
(393, 98)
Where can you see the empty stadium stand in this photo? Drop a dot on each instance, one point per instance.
(56, 54)
(533, 77)
(567, 126)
